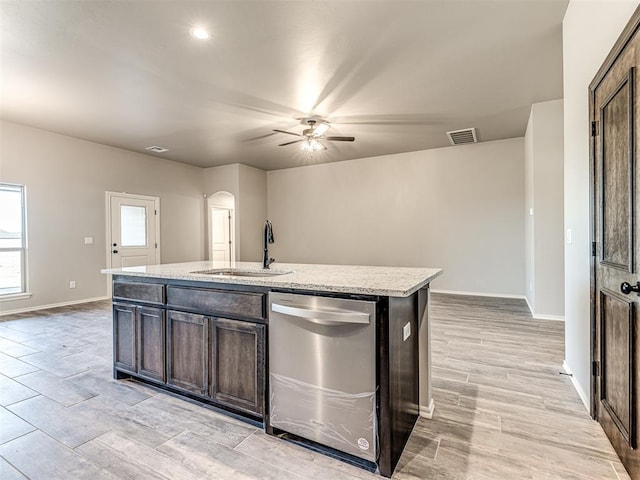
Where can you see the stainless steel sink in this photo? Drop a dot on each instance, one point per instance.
(236, 272)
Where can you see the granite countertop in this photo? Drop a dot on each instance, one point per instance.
(365, 280)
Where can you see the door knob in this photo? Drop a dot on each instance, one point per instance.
(114, 251)
(627, 288)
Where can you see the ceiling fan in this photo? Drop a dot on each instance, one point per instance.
(312, 135)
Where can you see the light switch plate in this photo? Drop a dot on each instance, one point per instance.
(568, 235)
(406, 331)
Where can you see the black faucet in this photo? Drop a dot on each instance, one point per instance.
(268, 238)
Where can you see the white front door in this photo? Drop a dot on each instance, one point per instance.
(133, 225)
(221, 244)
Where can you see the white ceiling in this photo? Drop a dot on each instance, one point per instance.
(395, 74)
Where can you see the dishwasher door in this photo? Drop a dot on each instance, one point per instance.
(322, 364)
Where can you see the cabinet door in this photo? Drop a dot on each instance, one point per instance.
(151, 343)
(237, 364)
(124, 337)
(187, 351)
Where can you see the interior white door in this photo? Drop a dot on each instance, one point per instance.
(221, 244)
(134, 239)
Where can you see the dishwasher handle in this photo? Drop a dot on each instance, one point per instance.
(321, 316)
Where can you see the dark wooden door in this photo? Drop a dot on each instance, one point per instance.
(187, 351)
(124, 337)
(615, 113)
(237, 364)
(151, 343)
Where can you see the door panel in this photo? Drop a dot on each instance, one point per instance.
(151, 343)
(618, 351)
(614, 110)
(616, 167)
(187, 351)
(134, 239)
(221, 234)
(237, 364)
(124, 336)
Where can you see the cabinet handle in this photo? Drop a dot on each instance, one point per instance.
(323, 317)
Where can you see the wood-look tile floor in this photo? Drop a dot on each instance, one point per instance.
(502, 409)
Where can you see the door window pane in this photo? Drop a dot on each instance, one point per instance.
(133, 226)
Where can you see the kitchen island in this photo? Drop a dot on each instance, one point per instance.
(201, 329)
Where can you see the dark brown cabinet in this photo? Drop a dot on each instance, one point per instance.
(139, 340)
(173, 335)
(237, 364)
(151, 343)
(187, 351)
(124, 337)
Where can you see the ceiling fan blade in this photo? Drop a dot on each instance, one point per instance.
(288, 133)
(340, 139)
(259, 137)
(290, 143)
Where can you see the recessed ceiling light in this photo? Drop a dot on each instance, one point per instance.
(199, 33)
(157, 149)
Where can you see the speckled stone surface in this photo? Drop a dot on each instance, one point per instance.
(365, 280)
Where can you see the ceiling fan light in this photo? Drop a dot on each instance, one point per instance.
(312, 145)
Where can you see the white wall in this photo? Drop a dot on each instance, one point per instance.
(544, 195)
(590, 28)
(253, 211)
(249, 186)
(459, 208)
(66, 180)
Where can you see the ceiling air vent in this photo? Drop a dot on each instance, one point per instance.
(157, 149)
(460, 137)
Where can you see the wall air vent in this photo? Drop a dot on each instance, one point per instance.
(460, 137)
(157, 149)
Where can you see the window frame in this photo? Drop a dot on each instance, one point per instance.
(22, 249)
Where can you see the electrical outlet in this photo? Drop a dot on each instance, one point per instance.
(406, 331)
(569, 235)
(72, 284)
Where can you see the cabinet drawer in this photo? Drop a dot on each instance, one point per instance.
(139, 292)
(217, 302)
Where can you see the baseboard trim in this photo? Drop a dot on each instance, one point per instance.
(583, 396)
(539, 316)
(478, 294)
(52, 305)
(556, 318)
(526, 299)
(427, 412)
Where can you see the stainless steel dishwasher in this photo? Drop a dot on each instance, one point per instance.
(322, 364)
